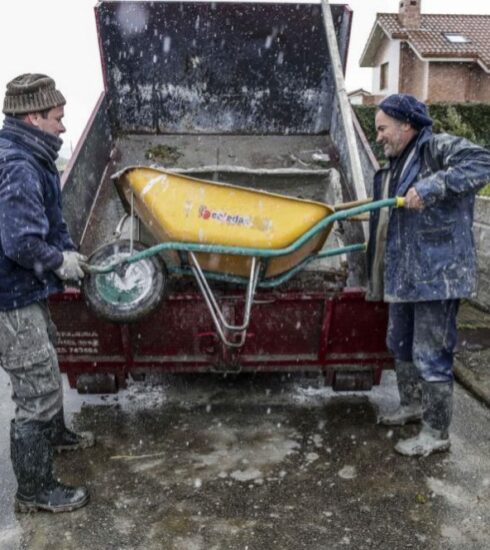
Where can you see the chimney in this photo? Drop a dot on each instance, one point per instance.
(409, 14)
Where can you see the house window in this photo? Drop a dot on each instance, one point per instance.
(383, 76)
(456, 38)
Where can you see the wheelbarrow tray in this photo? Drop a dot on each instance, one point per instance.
(178, 208)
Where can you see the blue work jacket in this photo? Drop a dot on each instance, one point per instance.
(33, 234)
(430, 254)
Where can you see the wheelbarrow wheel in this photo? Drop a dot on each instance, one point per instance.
(129, 293)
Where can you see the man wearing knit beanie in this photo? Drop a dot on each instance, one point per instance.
(37, 256)
(421, 260)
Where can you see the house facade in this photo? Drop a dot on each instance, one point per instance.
(436, 57)
(361, 97)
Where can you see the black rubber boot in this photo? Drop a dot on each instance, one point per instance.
(63, 439)
(32, 461)
(409, 388)
(437, 415)
(438, 405)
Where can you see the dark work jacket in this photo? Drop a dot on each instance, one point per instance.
(430, 254)
(33, 234)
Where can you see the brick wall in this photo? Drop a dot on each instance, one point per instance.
(449, 82)
(482, 241)
(480, 84)
(473, 84)
(411, 80)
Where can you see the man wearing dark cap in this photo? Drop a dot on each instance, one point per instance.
(37, 256)
(421, 260)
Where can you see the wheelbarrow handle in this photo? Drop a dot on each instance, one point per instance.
(351, 204)
(400, 203)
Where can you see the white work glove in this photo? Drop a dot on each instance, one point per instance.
(71, 268)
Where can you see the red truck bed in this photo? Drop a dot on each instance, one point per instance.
(337, 333)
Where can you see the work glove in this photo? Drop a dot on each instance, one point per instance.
(71, 268)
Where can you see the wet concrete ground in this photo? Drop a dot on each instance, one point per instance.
(472, 357)
(271, 462)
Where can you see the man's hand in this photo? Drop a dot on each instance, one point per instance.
(413, 200)
(71, 268)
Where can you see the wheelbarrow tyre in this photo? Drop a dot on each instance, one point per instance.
(147, 295)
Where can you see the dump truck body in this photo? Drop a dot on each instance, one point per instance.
(241, 93)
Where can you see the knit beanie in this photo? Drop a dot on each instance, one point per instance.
(31, 93)
(406, 108)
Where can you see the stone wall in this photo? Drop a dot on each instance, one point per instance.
(482, 240)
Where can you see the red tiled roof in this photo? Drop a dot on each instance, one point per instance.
(429, 39)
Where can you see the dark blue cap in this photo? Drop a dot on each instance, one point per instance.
(406, 108)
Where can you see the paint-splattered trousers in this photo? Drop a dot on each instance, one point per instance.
(27, 354)
(425, 333)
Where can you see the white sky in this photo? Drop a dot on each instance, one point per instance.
(58, 37)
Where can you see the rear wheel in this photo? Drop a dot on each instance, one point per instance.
(131, 291)
(97, 382)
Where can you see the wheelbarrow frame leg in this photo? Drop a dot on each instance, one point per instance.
(221, 324)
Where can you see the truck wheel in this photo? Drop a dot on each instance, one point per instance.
(129, 293)
(98, 382)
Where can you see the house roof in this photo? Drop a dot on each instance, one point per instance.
(429, 41)
(359, 91)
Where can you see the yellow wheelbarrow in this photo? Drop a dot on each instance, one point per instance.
(213, 231)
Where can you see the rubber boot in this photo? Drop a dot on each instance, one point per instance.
(63, 439)
(434, 435)
(32, 461)
(410, 408)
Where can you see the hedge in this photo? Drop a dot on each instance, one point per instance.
(470, 120)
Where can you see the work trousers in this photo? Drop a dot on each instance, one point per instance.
(425, 333)
(27, 354)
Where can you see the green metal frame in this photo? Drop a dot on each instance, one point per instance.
(280, 279)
